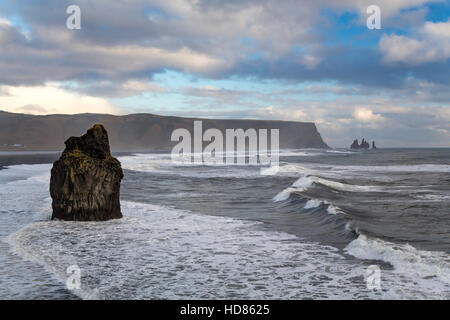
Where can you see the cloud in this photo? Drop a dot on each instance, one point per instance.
(430, 44)
(274, 112)
(264, 59)
(32, 109)
(132, 40)
(60, 57)
(116, 89)
(366, 115)
(5, 22)
(389, 8)
(310, 61)
(219, 95)
(139, 86)
(51, 99)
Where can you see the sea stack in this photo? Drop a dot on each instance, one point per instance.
(364, 144)
(85, 180)
(355, 144)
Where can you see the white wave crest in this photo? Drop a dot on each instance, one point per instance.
(334, 210)
(396, 168)
(429, 270)
(433, 197)
(341, 152)
(346, 187)
(306, 182)
(313, 203)
(331, 209)
(24, 172)
(300, 185)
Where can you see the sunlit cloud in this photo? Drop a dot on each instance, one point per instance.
(430, 44)
(50, 99)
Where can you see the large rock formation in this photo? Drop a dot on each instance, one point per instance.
(364, 144)
(355, 144)
(85, 181)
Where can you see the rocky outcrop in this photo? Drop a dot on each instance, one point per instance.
(355, 144)
(85, 181)
(364, 144)
(373, 145)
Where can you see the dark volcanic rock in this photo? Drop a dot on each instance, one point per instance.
(364, 144)
(355, 144)
(85, 181)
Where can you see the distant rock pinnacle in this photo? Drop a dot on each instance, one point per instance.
(364, 144)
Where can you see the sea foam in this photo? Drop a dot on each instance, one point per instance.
(429, 270)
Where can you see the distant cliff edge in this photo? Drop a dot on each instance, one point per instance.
(134, 132)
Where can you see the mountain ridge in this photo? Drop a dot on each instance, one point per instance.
(139, 132)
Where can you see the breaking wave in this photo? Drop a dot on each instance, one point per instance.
(429, 270)
(315, 203)
(306, 182)
(397, 168)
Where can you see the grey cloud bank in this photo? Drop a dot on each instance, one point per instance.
(122, 46)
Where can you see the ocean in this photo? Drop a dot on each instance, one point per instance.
(312, 231)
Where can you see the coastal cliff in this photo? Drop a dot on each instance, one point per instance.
(135, 132)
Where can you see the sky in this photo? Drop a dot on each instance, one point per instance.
(297, 60)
